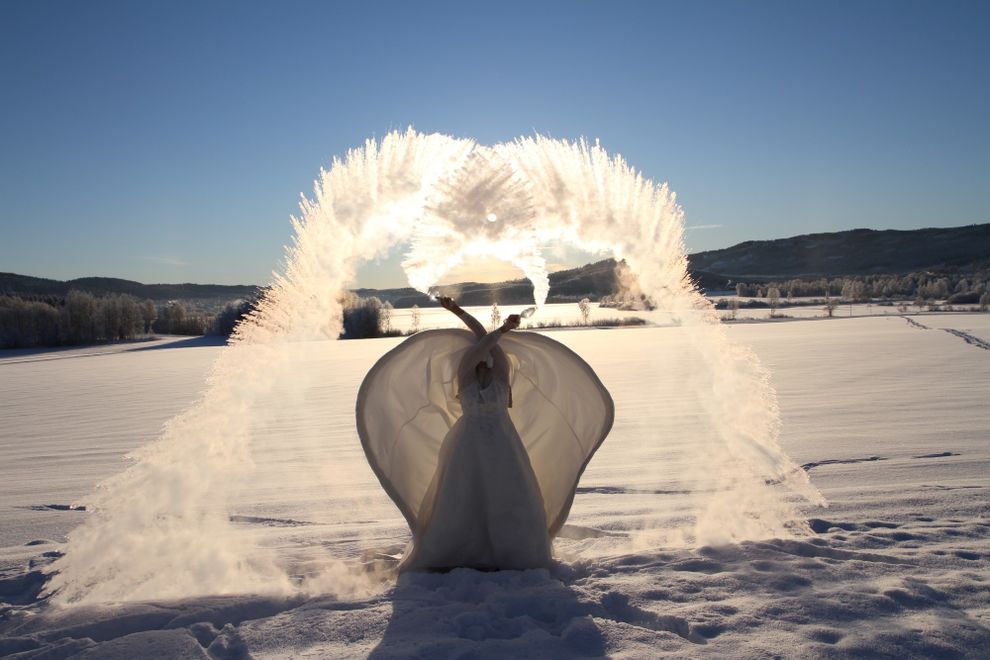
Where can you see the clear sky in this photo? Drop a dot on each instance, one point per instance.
(169, 141)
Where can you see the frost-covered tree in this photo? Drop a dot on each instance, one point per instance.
(227, 319)
(985, 301)
(26, 323)
(121, 317)
(385, 317)
(773, 299)
(131, 323)
(174, 318)
(415, 318)
(148, 314)
(853, 289)
(80, 319)
(111, 316)
(81, 323)
(173, 315)
(847, 289)
(496, 316)
(362, 318)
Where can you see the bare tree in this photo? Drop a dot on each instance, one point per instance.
(415, 318)
(585, 307)
(830, 304)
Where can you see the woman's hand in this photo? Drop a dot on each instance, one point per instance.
(511, 323)
(448, 303)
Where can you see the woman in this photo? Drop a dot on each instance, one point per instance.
(483, 480)
(483, 508)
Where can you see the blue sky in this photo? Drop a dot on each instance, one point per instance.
(169, 141)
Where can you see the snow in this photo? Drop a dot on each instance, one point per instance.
(563, 313)
(889, 419)
(70, 415)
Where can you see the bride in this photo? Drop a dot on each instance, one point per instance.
(480, 440)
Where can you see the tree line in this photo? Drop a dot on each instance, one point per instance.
(29, 321)
(82, 318)
(953, 288)
(370, 317)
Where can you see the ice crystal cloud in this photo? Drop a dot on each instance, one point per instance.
(450, 200)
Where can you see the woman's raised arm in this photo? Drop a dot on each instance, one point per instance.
(486, 344)
(472, 323)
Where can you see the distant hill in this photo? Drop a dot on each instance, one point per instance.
(836, 254)
(854, 252)
(24, 284)
(592, 280)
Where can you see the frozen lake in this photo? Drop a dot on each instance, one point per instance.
(888, 416)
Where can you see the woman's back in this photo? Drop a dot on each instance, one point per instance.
(483, 508)
(478, 400)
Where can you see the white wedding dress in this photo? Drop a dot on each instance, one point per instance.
(481, 485)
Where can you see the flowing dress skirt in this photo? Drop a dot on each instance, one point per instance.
(483, 508)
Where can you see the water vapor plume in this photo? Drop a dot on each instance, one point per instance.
(161, 529)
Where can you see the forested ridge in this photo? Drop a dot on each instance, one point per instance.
(945, 265)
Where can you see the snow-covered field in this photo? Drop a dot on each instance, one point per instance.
(569, 314)
(888, 415)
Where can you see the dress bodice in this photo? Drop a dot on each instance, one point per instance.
(477, 400)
